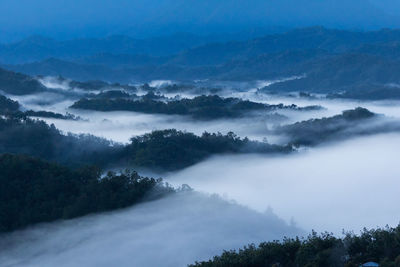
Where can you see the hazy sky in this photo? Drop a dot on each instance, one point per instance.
(73, 18)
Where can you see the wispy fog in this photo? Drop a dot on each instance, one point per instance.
(160, 83)
(331, 107)
(55, 83)
(340, 185)
(120, 126)
(261, 84)
(347, 185)
(174, 231)
(49, 101)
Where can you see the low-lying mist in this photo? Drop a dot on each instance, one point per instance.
(348, 185)
(331, 106)
(344, 182)
(173, 231)
(120, 126)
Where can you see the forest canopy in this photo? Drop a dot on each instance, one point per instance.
(358, 121)
(376, 245)
(160, 150)
(200, 107)
(172, 149)
(34, 191)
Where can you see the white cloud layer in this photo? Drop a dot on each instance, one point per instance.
(174, 231)
(347, 185)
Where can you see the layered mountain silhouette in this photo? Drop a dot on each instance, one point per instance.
(334, 62)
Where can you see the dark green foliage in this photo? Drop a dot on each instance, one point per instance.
(18, 84)
(374, 245)
(99, 85)
(152, 96)
(10, 107)
(352, 73)
(370, 92)
(162, 150)
(380, 245)
(112, 94)
(33, 191)
(172, 149)
(315, 131)
(357, 114)
(360, 64)
(200, 107)
(22, 135)
(7, 105)
(50, 114)
(175, 88)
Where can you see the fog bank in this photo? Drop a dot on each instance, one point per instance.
(120, 126)
(173, 231)
(347, 185)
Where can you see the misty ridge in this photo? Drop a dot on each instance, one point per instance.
(200, 133)
(200, 107)
(170, 225)
(357, 122)
(340, 63)
(30, 121)
(170, 149)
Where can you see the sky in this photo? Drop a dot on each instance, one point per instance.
(93, 18)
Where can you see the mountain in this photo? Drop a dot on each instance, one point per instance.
(347, 72)
(37, 48)
(333, 41)
(57, 67)
(186, 49)
(18, 84)
(335, 62)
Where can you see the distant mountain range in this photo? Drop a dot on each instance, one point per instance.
(329, 61)
(37, 48)
(187, 49)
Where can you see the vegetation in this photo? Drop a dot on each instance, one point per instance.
(99, 85)
(18, 84)
(370, 92)
(11, 108)
(200, 107)
(152, 96)
(112, 94)
(22, 135)
(50, 114)
(315, 131)
(34, 191)
(163, 150)
(361, 64)
(380, 245)
(7, 105)
(172, 149)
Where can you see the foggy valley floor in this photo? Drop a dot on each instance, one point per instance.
(150, 234)
(263, 199)
(172, 133)
(345, 179)
(345, 186)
